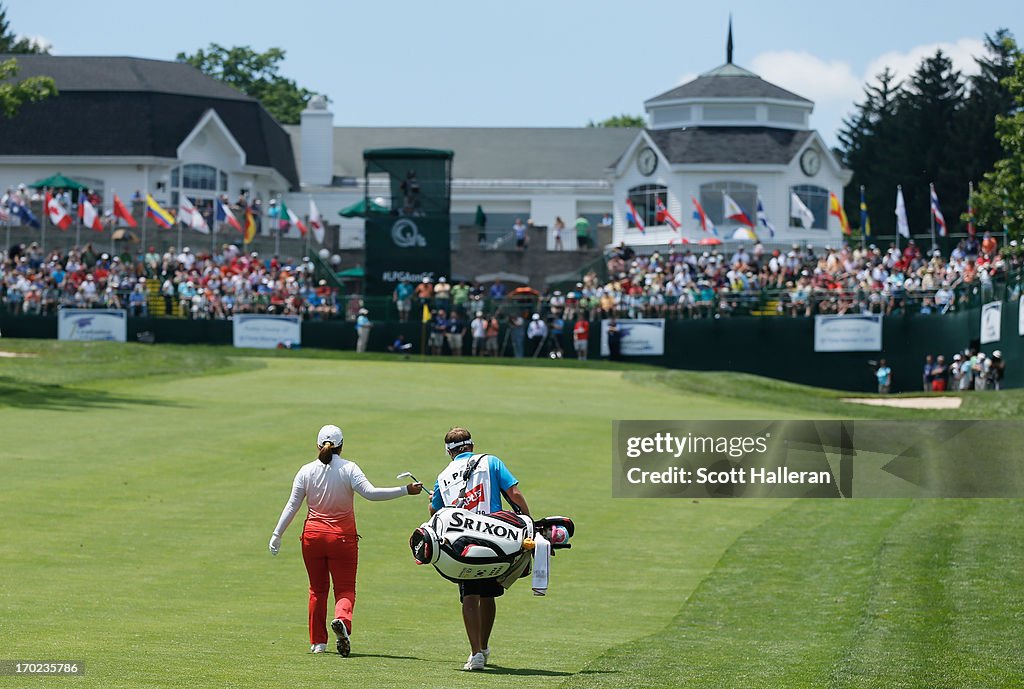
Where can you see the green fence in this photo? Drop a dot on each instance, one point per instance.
(780, 348)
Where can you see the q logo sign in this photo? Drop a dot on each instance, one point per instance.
(405, 234)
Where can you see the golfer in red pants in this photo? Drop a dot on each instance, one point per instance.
(330, 547)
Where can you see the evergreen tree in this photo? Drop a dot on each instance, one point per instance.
(862, 141)
(13, 45)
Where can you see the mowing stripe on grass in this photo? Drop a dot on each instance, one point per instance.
(860, 594)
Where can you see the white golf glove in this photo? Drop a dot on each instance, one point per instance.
(275, 544)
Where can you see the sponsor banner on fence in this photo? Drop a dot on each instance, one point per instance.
(991, 322)
(261, 331)
(817, 459)
(109, 325)
(862, 333)
(640, 336)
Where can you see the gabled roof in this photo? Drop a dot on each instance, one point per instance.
(137, 108)
(541, 153)
(121, 74)
(729, 145)
(727, 81)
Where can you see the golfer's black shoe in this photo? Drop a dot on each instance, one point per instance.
(344, 645)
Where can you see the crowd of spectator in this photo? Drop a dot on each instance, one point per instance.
(680, 283)
(970, 369)
(798, 282)
(203, 286)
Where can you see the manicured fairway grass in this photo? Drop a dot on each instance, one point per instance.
(136, 512)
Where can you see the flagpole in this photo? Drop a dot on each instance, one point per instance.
(309, 229)
(45, 214)
(931, 211)
(177, 221)
(213, 226)
(899, 194)
(113, 250)
(863, 215)
(144, 214)
(277, 229)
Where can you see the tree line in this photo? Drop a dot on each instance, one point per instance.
(936, 126)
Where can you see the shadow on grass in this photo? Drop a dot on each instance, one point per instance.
(393, 657)
(60, 398)
(531, 672)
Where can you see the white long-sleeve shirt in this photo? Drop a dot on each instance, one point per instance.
(328, 490)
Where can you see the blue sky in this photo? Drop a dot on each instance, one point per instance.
(532, 63)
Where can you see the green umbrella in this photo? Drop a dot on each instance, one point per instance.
(352, 273)
(359, 210)
(58, 181)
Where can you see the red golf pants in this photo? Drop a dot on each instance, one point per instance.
(329, 554)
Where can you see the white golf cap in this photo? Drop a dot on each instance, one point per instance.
(329, 434)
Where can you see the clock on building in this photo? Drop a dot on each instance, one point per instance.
(810, 162)
(647, 161)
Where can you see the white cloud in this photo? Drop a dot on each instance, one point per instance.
(835, 87)
(808, 75)
(39, 42)
(906, 63)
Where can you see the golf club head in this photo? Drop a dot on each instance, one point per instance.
(406, 474)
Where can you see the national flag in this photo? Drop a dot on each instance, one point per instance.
(836, 208)
(161, 217)
(27, 217)
(732, 210)
(295, 220)
(902, 226)
(663, 216)
(58, 216)
(971, 230)
(700, 215)
(284, 217)
(88, 214)
(865, 219)
(224, 214)
(798, 211)
(121, 211)
(632, 216)
(23, 213)
(762, 217)
(189, 216)
(250, 226)
(316, 222)
(936, 213)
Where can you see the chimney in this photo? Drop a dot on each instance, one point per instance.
(317, 142)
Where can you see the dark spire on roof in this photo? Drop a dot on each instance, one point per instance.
(728, 43)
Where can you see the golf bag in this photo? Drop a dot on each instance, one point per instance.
(463, 545)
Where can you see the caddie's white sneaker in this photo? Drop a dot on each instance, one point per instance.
(318, 648)
(344, 645)
(475, 662)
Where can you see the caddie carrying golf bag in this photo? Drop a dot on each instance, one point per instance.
(463, 545)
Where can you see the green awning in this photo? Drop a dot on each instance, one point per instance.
(356, 273)
(58, 181)
(358, 209)
(407, 153)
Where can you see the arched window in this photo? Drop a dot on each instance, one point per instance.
(816, 199)
(199, 177)
(645, 200)
(712, 198)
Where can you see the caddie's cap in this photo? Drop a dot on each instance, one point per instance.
(329, 434)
